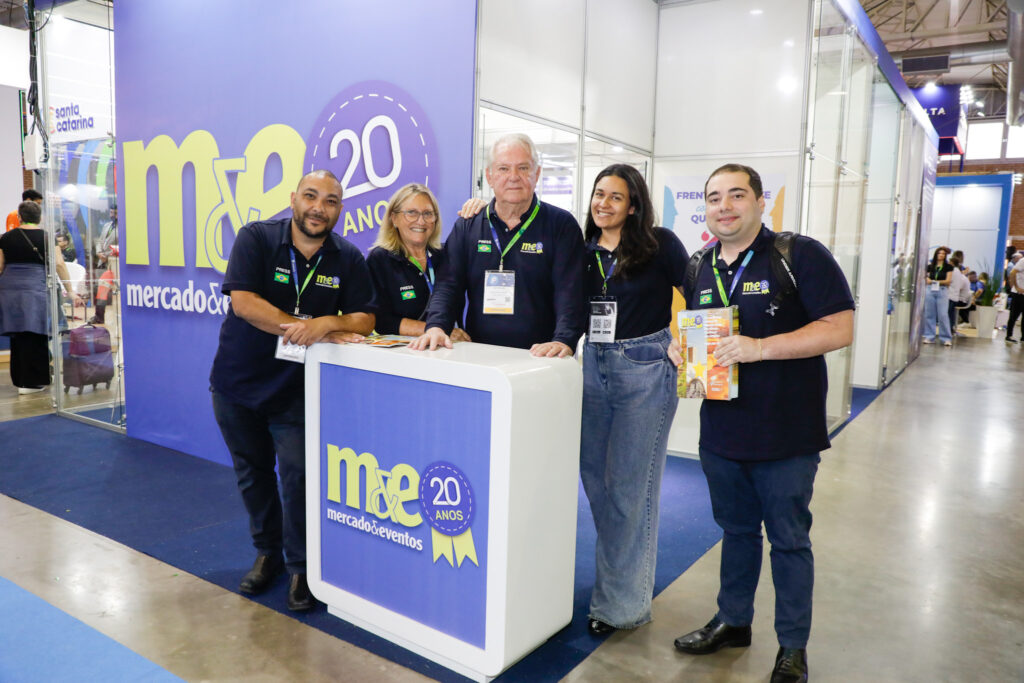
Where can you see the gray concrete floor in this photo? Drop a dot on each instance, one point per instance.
(918, 539)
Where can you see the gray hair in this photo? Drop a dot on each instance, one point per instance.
(514, 140)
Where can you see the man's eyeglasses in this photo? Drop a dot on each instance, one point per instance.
(412, 215)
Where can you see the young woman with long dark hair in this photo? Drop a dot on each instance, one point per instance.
(936, 302)
(629, 390)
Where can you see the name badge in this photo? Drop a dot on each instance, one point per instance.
(499, 292)
(603, 311)
(935, 286)
(296, 353)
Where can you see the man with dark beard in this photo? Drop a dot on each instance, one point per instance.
(293, 282)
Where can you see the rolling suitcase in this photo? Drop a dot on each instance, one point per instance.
(87, 357)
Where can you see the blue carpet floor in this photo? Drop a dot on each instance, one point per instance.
(38, 642)
(859, 400)
(187, 512)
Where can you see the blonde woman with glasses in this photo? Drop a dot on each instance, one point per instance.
(406, 260)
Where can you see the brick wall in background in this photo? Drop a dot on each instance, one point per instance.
(1016, 207)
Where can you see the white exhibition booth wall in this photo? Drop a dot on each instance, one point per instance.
(13, 80)
(970, 218)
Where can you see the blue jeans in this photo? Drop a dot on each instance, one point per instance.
(778, 492)
(629, 399)
(277, 521)
(936, 312)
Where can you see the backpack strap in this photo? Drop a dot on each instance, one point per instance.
(781, 258)
(693, 268)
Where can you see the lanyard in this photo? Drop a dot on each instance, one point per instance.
(494, 233)
(600, 267)
(938, 272)
(735, 280)
(295, 277)
(428, 274)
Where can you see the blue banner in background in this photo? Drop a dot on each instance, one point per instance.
(404, 495)
(221, 107)
(942, 105)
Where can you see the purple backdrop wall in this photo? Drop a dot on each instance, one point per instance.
(220, 109)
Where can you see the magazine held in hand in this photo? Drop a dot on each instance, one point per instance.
(700, 376)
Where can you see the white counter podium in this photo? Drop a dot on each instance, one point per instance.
(441, 495)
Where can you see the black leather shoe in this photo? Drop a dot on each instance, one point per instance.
(299, 597)
(790, 666)
(263, 572)
(599, 628)
(713, 638)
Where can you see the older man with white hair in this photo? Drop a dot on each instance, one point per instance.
(519, 262)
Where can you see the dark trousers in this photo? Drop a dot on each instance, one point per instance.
(952, 315)
(1016, 311)
(277, 521)
(777, 492)
(965, 313)
(30, 360)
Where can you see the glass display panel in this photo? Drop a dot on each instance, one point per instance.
(81, 213)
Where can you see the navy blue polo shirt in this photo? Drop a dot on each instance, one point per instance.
(780, 411)
(244, 369)
(548, 262)
(400, 288)
(644, 298)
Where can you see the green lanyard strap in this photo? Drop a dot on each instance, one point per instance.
(494, 233)
(295, 278)
(605, 278)
(735, 280)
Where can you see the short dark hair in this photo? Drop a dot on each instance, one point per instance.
(752, 175)
(31, 196)
(29, 212)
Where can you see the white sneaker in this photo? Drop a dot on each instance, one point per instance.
(928, 341)
(29, 390)
(949, 343)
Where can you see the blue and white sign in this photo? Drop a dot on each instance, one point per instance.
(404, 476)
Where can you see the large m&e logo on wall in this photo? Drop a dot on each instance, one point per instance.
(372, 135)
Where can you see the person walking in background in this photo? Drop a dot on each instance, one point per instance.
(1016, 281)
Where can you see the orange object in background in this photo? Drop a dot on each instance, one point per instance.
(104, 286)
